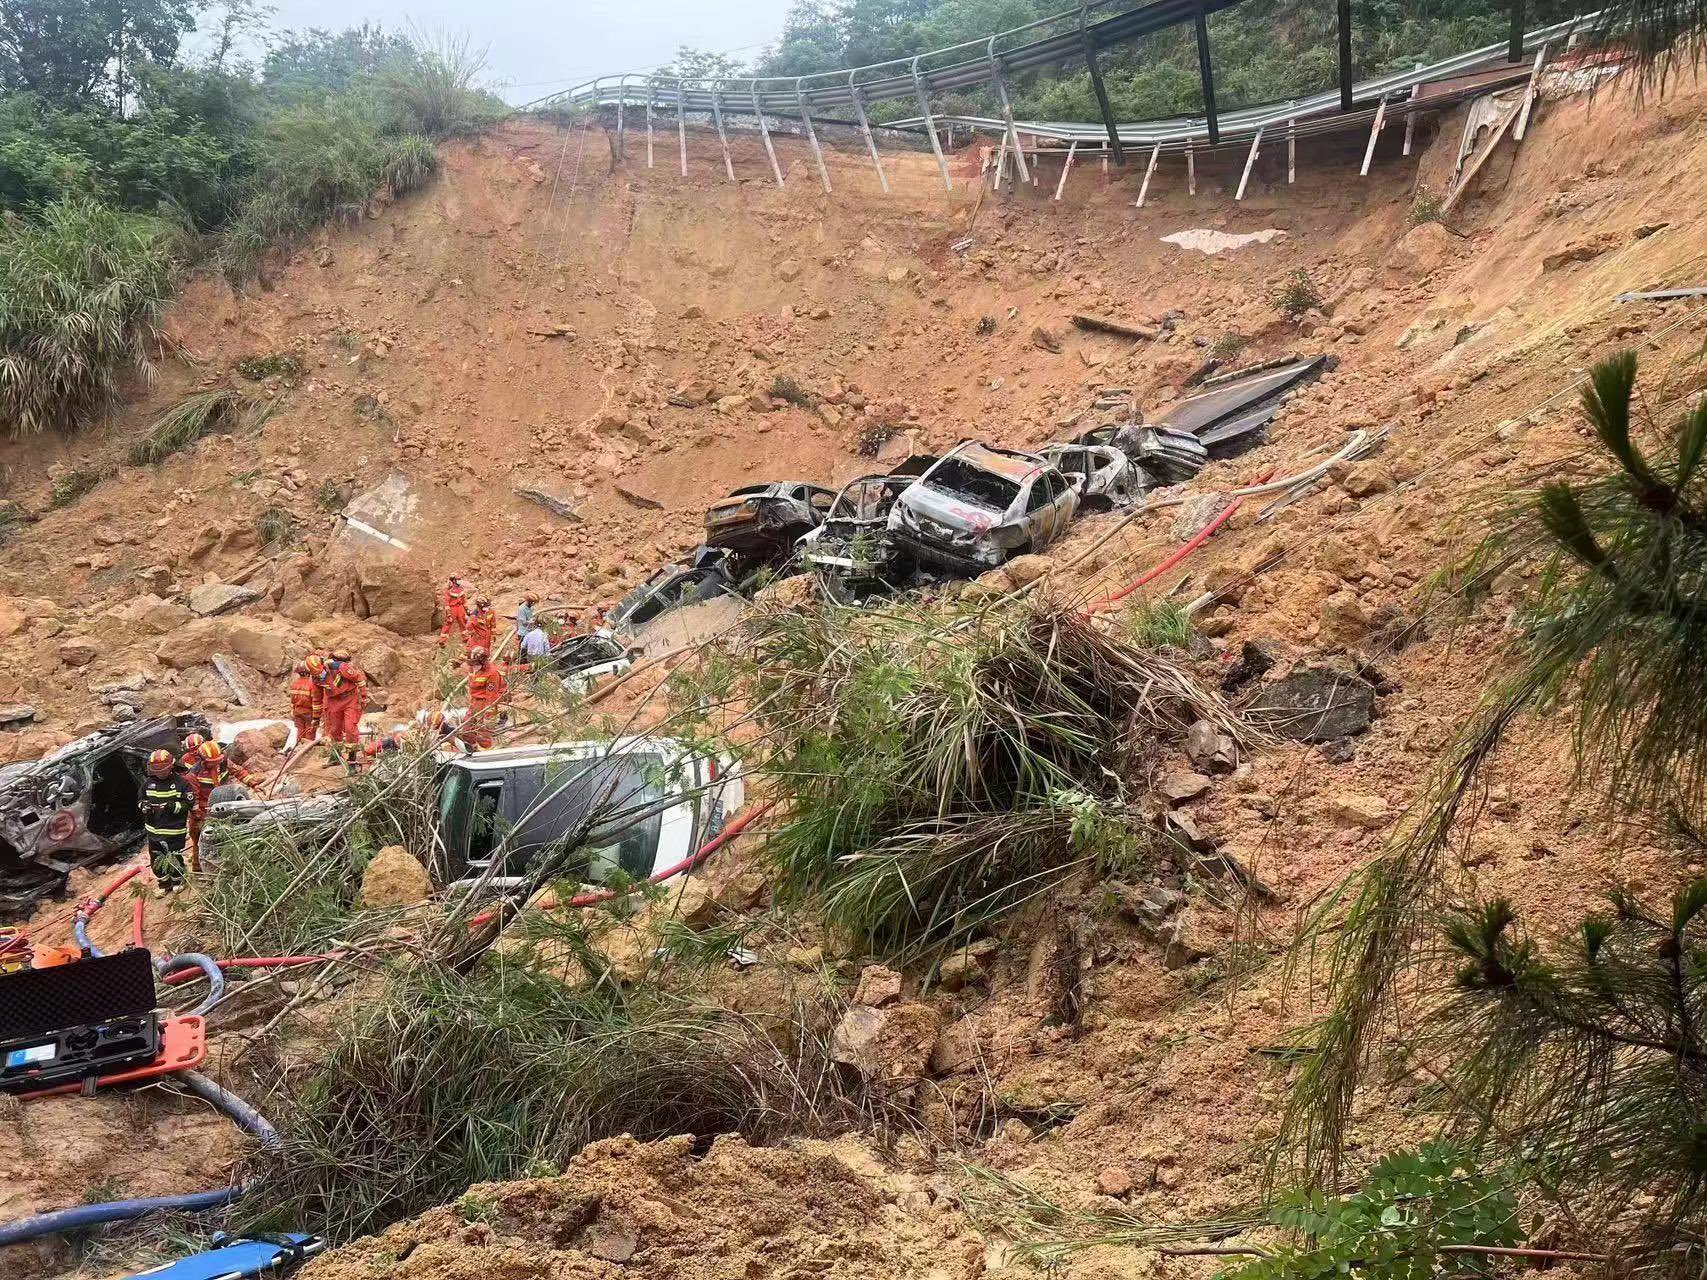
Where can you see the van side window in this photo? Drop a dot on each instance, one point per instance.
(487, 832)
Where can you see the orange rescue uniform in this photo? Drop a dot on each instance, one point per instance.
(343, 693)
(482, 626)
(456, 611)
(307, 702)
(486, 689)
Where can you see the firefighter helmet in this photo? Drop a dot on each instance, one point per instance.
(161, 763)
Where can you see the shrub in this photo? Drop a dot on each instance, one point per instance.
(944, 767)
(870, 440)
(1428, 206)
(1159, 625)
(193, 417)
(412, 162)
(80, 293)
(1297, 294)
(786, 388)
(73, 484)
(433, 90)
(276, 527)
(473, 1074)
(281, 364)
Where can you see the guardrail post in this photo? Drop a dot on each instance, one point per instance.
(1529, 94)
(1149, 172)
(1344, 21)
(1291, 152)
(651, 101)
(1007, 109)
(1190, 169)
(930, 125)
(1411, 116)
(682, 127)
(765, 133)
(1066, 168)
(1374, 136)
(811, 134)
(621, 98)
(865, 128)
(1250, 160)
(722, 138)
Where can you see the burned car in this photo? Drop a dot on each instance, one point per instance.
(852, 552)
(704, 575)
(78, 804)
(761, 523)
(980, 506)
(579, 661)
(1106, 475)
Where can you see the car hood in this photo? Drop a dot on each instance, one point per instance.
(944, 508)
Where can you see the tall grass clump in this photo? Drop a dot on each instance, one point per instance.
(945, 765)
(193, 417)
(435, 89)
(81, 290)
(458, 1076)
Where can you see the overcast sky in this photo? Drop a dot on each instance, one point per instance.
(535, 48)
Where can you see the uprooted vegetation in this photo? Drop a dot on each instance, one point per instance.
(195, 416)
(944, 765)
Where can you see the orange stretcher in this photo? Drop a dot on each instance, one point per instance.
(183, 1046)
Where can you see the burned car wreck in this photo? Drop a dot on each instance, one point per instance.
(852, 552)
(761, 523)
(979, 506)
(79, 804)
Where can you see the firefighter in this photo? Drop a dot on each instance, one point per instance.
(344, 692)
(307, 700)
(482, 625)
(456, 610)
(190, 761)
(168, 805)
(213, 769)
(486, 689)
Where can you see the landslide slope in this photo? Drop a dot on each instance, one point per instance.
(536, 317)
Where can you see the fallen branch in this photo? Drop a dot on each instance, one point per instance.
(1137, 332)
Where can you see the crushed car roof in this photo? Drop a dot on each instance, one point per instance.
(1017, 467)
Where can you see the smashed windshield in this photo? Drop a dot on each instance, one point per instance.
(955, 477)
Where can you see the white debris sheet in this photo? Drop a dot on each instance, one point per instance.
(1207, 240)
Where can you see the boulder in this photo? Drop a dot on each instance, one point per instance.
(151, 615)
(13, 619)
(967, 966)
(1210, 749)
(1182, 785)
(891, 1045)
(788, 270)
(1314, 702)
(267, 646)
(214, 598)
(395, 878)
(17, 715)
(1350, 809)
(1368, 478)
(878, 985)
(1023, 570)
(382, 663)
(259, 748)
(191, 646)
(79, 651)
(957, 1049)
(396, 596)
(1423, 249)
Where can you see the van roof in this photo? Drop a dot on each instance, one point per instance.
(529, 753)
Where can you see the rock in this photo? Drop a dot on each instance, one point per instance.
(269, 647)
(1182, 785)
(634, 497)
(808, 958)
(789, 594)
(381, 662)
(1423, 249)
(152, 615)
(1114, 1181)
(788, 270)
(692, 394)
(890, 1045)
(191, 645)
(79, 651)
(1365, 479)
(1314, 702)
(396, 596)
(1209, 748)
(256, 747)
(1045, 339)
(19, 713)
(1256, 659)
(1582, 250)
(878, 985)
(13, 620)
(612, 1241)
(214, 598)
(395, 878)
(957, 1049)
(966, 966)
(1354, 810)
(558, 504)
(694, 904)
(1022, 570)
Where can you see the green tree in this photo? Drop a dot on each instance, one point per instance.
(306, 65)
(73, 52)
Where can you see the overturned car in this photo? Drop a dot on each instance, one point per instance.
(980, 506)
(78, 804)
(704, 575)
(1106, 475)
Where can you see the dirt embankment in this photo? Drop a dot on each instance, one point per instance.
(618, 337)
